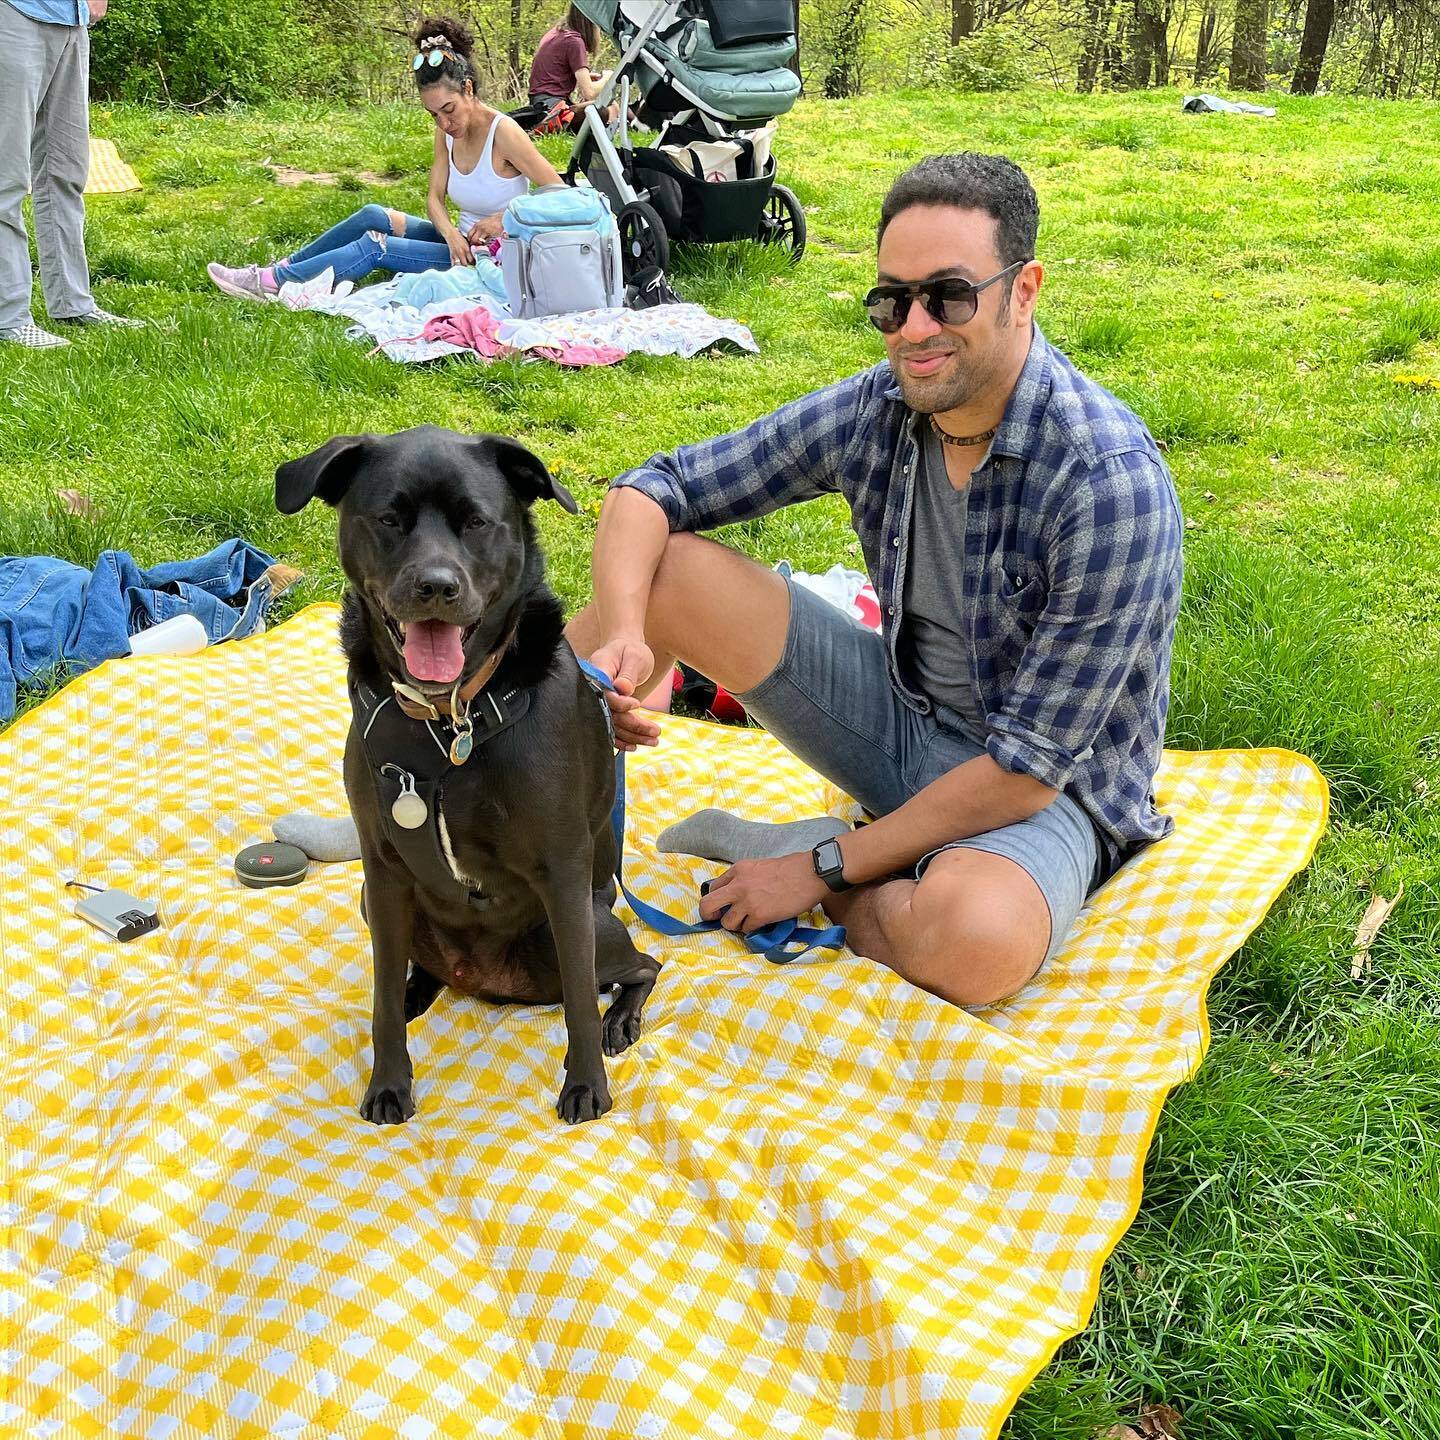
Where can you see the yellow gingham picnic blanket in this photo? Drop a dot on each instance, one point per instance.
(109, 174)
(825, 1205)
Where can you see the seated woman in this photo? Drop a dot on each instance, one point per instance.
(560, 73)
(482, 161)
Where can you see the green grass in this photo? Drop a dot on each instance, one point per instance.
(1252, 287)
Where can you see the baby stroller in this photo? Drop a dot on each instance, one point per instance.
(711, 74)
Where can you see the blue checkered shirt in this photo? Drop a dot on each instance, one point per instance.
(1073, 541)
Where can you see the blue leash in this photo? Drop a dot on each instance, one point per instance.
(780, 943)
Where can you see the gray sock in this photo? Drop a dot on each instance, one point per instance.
(320, 838)
(718, 835)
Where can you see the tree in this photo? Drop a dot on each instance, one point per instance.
(962, 20)
(1319, 22)
(847, 50)
(1207, 45)
(1093, 43)
(1247, 49)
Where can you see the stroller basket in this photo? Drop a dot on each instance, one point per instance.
(700, 210)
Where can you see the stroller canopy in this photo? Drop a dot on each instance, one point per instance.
(726, 58)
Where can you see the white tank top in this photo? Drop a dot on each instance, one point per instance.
(482, 191)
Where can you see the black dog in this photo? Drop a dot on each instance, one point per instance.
(479, 766)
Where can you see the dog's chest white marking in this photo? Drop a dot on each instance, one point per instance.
(449, 850)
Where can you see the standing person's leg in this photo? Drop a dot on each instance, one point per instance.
(24, 72)
(60, 164)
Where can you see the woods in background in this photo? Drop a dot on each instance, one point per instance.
(355, 49)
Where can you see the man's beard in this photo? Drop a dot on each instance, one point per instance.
(969, 376)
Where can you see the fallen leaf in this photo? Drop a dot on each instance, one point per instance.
(839, 295)
(1210, 497)
(1162, 445)
(1303, 367)
(1192, 524)
(73, 502)
(1421, 789)
(1377, 912)
(1118, 1432)
(1160, 1422)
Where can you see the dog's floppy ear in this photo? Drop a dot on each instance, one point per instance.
(527, 474)
(326, 473)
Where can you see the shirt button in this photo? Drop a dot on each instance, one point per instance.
(896, 541)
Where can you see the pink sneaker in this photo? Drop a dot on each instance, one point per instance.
(244, 283)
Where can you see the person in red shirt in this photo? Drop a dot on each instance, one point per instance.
(561, 68)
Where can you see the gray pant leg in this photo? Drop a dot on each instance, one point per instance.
(25, 62)
(60, 163)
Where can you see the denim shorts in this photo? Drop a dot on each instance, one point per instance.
(830, 702)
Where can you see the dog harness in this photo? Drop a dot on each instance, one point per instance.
(410, 760)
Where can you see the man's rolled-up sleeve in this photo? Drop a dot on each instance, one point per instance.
(1105, 631)
(793, 454)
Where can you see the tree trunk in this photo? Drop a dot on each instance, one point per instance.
(842, 80)
(962, 20)
(1247, 50)
(1319, 21)
(1207, 52)
(512, 48)
(1140, 59)
(1092, 47)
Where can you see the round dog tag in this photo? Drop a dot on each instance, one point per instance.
(461, 747)
(409, 811)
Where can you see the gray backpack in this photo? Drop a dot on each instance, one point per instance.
(561, 253)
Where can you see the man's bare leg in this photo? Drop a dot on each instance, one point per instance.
(711, 607)
(972, 931)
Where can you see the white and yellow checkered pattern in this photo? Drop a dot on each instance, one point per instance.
(826, 1205)
(109, 174)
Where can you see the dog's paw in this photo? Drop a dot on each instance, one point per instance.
(582, 1100)
(620, 1028)
(387, 1104)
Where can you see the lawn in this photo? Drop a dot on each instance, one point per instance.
(1256, 289)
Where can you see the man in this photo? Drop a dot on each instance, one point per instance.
(1024, 538)
(45, 144)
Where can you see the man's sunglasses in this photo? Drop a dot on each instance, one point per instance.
(431, 57)
(948, 302)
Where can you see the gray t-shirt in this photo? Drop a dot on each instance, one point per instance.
(933, 649)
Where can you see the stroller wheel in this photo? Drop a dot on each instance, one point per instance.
(643, 242)
(783, 222)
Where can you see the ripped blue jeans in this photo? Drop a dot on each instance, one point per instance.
(366, 241)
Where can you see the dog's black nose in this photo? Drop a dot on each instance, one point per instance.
(438, 583)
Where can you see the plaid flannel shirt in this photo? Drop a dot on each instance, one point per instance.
(1072, 582)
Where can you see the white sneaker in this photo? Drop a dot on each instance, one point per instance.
(32, 337)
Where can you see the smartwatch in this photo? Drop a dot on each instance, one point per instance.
(830, 865)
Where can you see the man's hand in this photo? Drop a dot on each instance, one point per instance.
(627, 663)
(756, 893)
(460, 251)
(98, 9)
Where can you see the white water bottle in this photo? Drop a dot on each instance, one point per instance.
(179, 635)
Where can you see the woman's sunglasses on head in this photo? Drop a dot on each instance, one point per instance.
(431, 57)
(948, 302)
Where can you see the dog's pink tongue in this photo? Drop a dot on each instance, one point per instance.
(433, 651)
